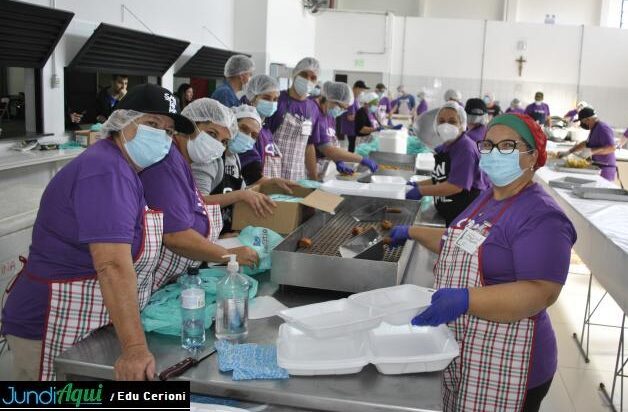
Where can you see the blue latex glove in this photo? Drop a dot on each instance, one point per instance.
(448, 304)
(342, 168)
(415, 192)
(379, 129)
(371, 164)
(399, 234)
(397, 127)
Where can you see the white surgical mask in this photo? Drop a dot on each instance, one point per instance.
(204, 148)
(447, 132)
(302, 86)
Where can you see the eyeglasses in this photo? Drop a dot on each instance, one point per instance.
(504, 147)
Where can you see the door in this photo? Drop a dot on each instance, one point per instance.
(350, 77)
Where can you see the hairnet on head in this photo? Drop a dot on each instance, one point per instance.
(515, 102)
(245, 111)
(117, 121)
(582, 104)
(452, 94)
(210, 110)
(462, 115)
(477, 119)
(260, 84)
(238, 64)
(338, 92)
(369, 97)
(307, 63)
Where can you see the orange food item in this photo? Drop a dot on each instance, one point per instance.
(305, 242)
(386, 224)
(356, 231)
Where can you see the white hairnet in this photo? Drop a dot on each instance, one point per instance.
(368, 97)
(401, 88)
(118, 120)
(452, 94)
(210, 110)
(582, 104)
(424, 129)
(490, 95)
(421, 95)
(462, 115)
(515, 102)
(477, 119)
(260, 84)
(337, 92)
(246, 112)
(238, 64)
(307, 63)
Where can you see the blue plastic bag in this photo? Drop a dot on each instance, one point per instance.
(263, 241)
(415, 146)
(364, 149)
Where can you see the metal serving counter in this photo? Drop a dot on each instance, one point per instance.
(367, 391)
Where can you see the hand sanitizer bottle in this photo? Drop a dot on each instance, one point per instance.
(192, 310)
(232, 304)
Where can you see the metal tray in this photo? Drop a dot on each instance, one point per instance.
(601, 193)
(569, 182)
(558, 165)
(321, 266)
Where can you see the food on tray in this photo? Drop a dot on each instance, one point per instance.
(576, 162)
(386, 224)
(357, 231)
(305, 242)
(392, 210)
(387, 240)
(393, 167)
(552, 155)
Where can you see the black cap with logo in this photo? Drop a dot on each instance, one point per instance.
(360, 85)
(154, 99)
(586, 113)
(476, 107)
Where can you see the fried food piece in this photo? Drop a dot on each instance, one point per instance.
(387, 240)
(392, 210)
(305, 242)
(386, 224)
(357, 231)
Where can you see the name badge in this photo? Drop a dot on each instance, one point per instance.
(470, 240)
(306, 128)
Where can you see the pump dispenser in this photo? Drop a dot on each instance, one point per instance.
(232, 303)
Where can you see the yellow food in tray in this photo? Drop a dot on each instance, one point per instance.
(393, 167)
(576, 162)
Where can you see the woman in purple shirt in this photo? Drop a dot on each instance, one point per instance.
(515, 107)
(456, 178)
(500, 266)
(539, 110)
(95, 245)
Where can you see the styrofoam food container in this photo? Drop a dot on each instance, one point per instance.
(411, 349)
(388, 179)
(301, 354)
(386, 190)
(398, 303)
(343, 187)
(332, 318)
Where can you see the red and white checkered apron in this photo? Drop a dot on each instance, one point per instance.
(491, 372)
(172, 265)
(76, 307)
(272, 163)
(292, 143)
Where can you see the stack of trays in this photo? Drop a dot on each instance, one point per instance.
(342, 336)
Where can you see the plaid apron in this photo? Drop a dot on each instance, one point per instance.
(76, 307)
(272, 163)
(322, 162)
(170, 265)
(491, 372)
(292, 143)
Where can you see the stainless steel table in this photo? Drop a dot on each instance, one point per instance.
(367, 391)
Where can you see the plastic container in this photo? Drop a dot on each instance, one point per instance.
(384, 190)
(388, 180)
(404, 349)
(193, 311)
(399, 304)
(301, 354)
(332, 318)
(343, 187)
(392, 141)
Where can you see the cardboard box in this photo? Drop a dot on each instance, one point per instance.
(288, 215)
(86, 137)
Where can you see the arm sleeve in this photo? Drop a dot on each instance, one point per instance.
(252, 172)
(542, 248)
(463, 164)
(107, 208)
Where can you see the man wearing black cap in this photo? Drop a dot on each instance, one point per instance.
(600, 145)
(347, 120)
(477, 119)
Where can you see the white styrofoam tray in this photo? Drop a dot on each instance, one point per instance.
(392, 349)
(398, 303)
(388, 179)
(384, 190)
(332, 318)
(301, 354)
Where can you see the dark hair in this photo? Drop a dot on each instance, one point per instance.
(181, 94)
(380, 86)
(119, 76)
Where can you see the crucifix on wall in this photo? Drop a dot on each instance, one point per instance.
(520, 61)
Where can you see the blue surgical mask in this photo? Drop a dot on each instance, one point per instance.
(302, 86)
(335, 111)
(204, 148)
(266, 108)
(241, 143)
(315, 92)
(502, 169)
(373, 109)
(148, 147)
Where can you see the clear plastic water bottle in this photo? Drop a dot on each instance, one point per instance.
(192, 310)
(232, 304)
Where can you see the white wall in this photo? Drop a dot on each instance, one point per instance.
(15, 77)
(250, 30)
(290, 32)
(397, 7)
(465, 9)
(567, 11)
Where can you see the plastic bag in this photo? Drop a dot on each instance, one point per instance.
(364, 149)
(278, 197)
(309, 184)
(162, 314)
(263, 241)
(416, 146)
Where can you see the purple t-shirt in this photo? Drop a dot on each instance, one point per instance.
(95, 198)
(169, 187)
(327, 132)
(539, 112)
(477, 133)
(422, 107)
(602, 135)
(531, 241)
(302, 109)
(465, 163)
(626, 133)
(385, 103)
(347, 127)
(572, 114)
(515, 110)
